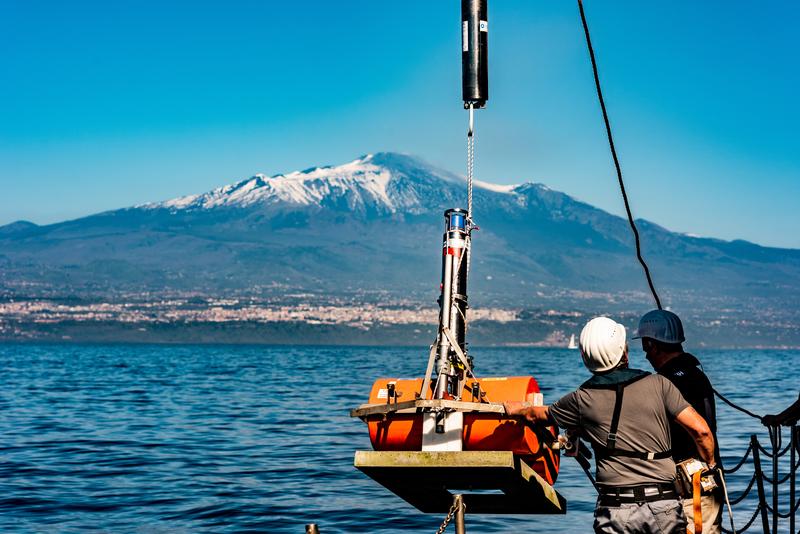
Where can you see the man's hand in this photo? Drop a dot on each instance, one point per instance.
(711, 470)
(534, 414)
(771, 420)
(516, 408)
(787, 417)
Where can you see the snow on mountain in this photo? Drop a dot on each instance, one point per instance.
(370, 180)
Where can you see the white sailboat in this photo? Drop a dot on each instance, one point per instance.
(572, 344)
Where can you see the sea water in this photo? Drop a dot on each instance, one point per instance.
(125, 438)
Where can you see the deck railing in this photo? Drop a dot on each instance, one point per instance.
(769, 483)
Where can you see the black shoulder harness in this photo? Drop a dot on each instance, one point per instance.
(618, 380)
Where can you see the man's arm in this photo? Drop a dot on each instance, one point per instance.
(534, 414)
(697, 427)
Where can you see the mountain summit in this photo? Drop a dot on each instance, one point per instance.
(381, 183)
(373, 226)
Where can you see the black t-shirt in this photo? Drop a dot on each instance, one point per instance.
(684, 372)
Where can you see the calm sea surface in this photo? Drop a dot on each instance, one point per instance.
(258, 439)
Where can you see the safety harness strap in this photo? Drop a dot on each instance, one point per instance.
(611, 440)
(610, 447)
(697, 507)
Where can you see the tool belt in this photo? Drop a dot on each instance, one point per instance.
(686, 469)
(641, 493)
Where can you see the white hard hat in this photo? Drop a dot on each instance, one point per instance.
(661, 325)
(602, 344)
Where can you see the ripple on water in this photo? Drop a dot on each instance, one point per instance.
(258, 439)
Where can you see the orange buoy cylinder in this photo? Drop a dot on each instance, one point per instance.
(482, 431)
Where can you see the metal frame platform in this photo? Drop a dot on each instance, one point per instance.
(414, 406)
(424, 480)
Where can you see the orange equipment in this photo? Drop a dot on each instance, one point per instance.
(398, 431)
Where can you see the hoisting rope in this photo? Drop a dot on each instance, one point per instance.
(614, 155)
(624, 194)
(774, 431)
(638, 244)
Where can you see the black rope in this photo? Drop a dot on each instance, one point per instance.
(735, 406)
(768, 454)
(786, 477)
(742, 461)
(746, 492)
(622, 187)
(614, 155)
(787, 514)
(748, 525)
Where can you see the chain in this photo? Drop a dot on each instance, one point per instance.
(470, 159)
(449, 517)
(470, 173)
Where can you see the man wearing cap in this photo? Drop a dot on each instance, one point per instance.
(661, 332)
(625, 415)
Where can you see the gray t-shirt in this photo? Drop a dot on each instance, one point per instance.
(648, 405)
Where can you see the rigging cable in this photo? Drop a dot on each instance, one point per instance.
(614, 155)
(624, 194)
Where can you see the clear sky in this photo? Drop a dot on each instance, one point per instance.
(109, 104)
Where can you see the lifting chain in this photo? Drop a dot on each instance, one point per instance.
(470, 172)
(449, 516)
(470, 159)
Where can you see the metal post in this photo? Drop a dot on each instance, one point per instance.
(775, 441)
(762, 501)
(458, 502)
(792, 476)
(311, 528)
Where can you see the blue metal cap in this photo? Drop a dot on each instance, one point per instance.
(456, 219)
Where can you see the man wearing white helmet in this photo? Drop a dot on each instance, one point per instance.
(662, 336)
(625, 415)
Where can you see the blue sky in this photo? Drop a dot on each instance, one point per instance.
(109, 104)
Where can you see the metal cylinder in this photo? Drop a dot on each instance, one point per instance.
(453, 296)
(474, 53)
(458, 502)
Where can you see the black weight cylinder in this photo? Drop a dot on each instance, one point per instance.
(474, 53)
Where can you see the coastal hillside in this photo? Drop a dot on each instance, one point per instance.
(369, 232)
(375, 224)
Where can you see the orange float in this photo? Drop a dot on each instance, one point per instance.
(481, 431)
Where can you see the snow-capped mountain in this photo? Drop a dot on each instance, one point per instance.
(383, 182)
(375, 224)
